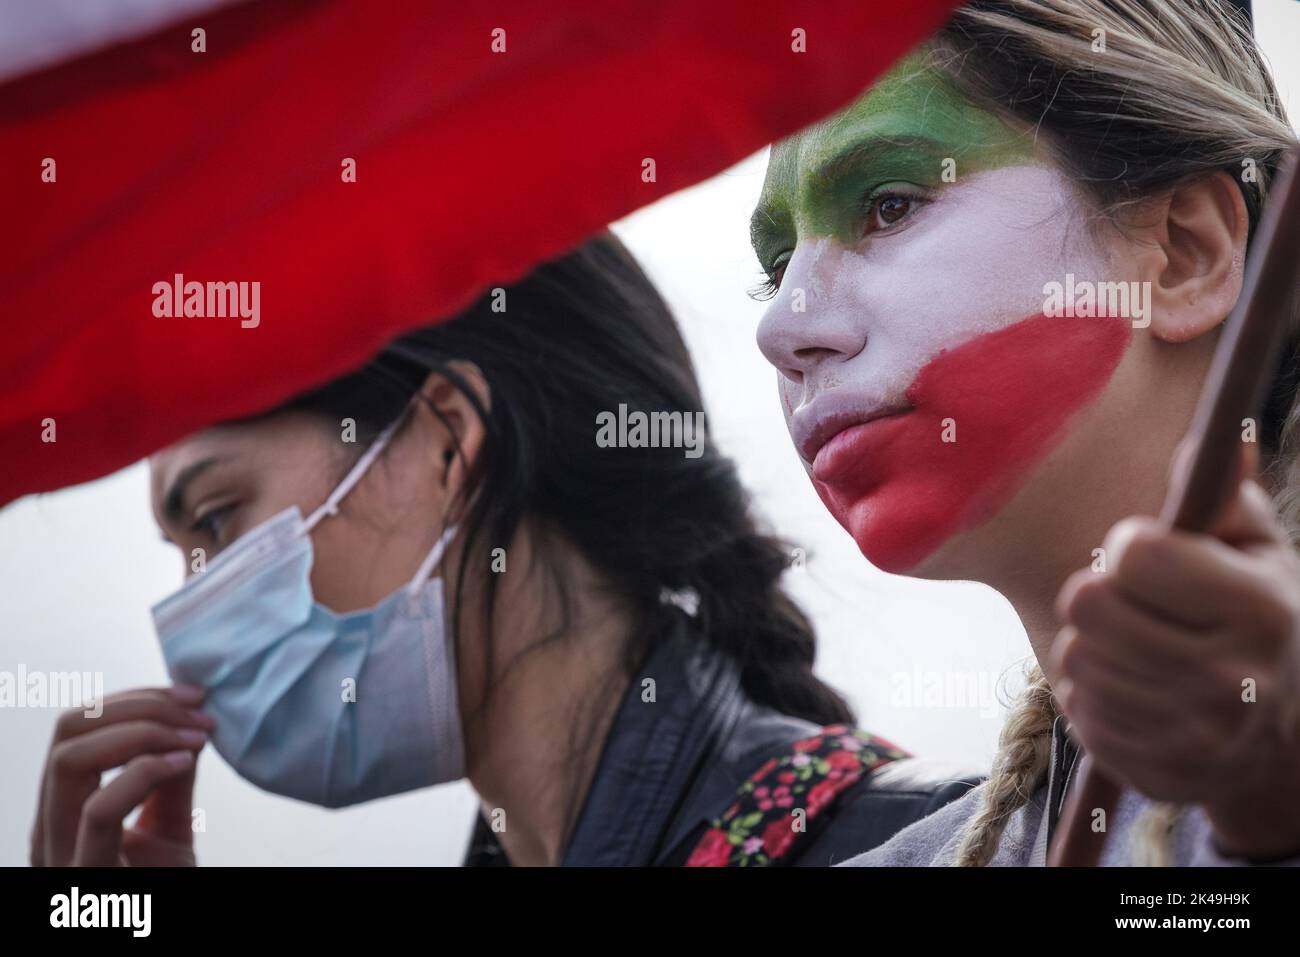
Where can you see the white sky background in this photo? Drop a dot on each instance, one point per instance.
(80, 568)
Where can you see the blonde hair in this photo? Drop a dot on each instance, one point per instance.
(1024, 748)
(1130, 97)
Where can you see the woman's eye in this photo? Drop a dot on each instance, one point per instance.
(893, 208)
(888, 209)
(883, 211)
(213, 522)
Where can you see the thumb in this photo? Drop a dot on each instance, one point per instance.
(1249, 516)
(168, 810)
(1248, 462)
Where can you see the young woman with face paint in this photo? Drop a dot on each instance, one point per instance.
(596, 637)
(975, 396)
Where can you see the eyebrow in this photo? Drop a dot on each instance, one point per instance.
(764, 225)
(870, 150)
(174, 500)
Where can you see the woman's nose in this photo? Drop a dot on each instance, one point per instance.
(807, 325)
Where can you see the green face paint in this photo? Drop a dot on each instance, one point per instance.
(912, 131)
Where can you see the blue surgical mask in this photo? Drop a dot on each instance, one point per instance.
(329, 708)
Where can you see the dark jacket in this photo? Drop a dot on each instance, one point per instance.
(671, 766)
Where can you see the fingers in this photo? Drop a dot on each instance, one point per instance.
(75, 767)
(149, 721)
(116, 744)
(1126, 634)
(1104, 660)
(142, 849)
(173, 706)
(1196, 580)
(99, 837)
(169, 705)
(1091, 686)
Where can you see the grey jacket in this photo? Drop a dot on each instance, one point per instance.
(933, 841)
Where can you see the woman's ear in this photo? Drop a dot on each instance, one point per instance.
(455, 429)
(1196, 256)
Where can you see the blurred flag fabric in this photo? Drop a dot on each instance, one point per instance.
(177, 141)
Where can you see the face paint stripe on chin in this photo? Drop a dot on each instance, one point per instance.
(1004, 398)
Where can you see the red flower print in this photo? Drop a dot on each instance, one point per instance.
(778, 836)
(759, 827)
(822, 794)
(714, 850)
(843, 759)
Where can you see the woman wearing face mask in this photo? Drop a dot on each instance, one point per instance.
(1016, 252)
(449, 564)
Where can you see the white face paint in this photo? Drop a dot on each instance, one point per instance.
(971, 260)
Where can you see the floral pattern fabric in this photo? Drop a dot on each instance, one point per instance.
(779, 803)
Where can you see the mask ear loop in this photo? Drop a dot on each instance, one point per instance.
(356, 474)
(431, 561)
(331, 504)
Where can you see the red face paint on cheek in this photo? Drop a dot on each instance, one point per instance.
(901, 491)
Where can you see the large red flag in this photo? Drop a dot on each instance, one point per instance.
(484, 138)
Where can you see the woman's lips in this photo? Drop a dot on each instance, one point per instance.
(902, 485)
(850, 445)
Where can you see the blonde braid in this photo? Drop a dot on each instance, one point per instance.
(1024, 749)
